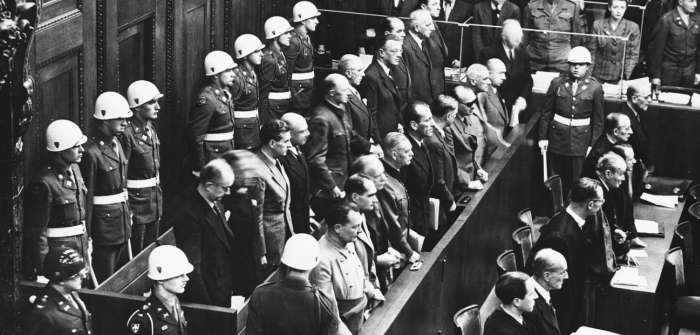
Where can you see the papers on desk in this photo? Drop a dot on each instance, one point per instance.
(592, 331)
(646, 226)
(695, 100)
(669, 201)
(637, 253)
(628, 276)
(541, 81)
(434, 213)
(674, 98)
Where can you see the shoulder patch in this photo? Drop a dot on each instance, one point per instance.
(201, 101)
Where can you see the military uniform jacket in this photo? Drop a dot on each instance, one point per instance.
(142, 150)
(105, 174)
(154, 318)
(53, 314)
(607, 52)
(299, 54)
(245, 98)
(273, 77)
(675, 42)
(53, 200)
(551, 48)
(585, 103)
(212, 113)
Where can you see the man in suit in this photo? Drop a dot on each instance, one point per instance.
(437, 48)
(479, 80)
(565, 234)
(459, 46)
(518, 84)
(399, 71)
(469, 140)
(618, 129)
(549, 270)
(277, 218)
(517, 294)
(202, 233)
(380, 90)
(297, 170)
(497, 113)
(442, 154)
(491, 13)
(638, 98)
(416, 55)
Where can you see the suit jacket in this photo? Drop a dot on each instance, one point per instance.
(438, 60)
(297, 170)
(393, 200)
(277, 218)
(418, 178)
(207, 241)
(383, 99)
(404, 83)
(363, 123)
(419, 67)
(638, 139)
(445, 169)
(500, 323)
(461, 11)
(386, 7)
(496, 112)
(467, 137)
(483, 14)
(600, 148)
(542, 319)
(518, 81)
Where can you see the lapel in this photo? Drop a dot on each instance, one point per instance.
(495, 100)
(216, 222)
(441, 41)
(358, 105)
(107, 151)
(296, 163)
(443, 141)
(388, 83)
(62, 304)
(421, 54)
(548, 314)
(161, 313)
(364, 237)
(271, 168)
(420, 155)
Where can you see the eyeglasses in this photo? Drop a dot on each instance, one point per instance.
(471, 103)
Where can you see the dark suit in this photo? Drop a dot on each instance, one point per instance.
(207, 241)
(404, 83)
(500, 323)
(496, 112)
(461, 11)
(418, 178)
(419, 67)
(298, 173)
(438, 60)
(600, 148)
(483, 14)
(383, 99)
(363, 124)
(518, 81)
(444, 162)
(386, 7)
(543, 319)
(638, 139)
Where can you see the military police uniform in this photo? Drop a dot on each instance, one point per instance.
(54, 313)
(674, 56)
(549, 51)
(154, 318)
(300, 67)
(142, 150)
(246, 120)
(104, 165)
(572, 121)
(210, 125)
(55, 214)
(274, 85)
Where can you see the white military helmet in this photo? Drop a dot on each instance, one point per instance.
(62, 135)
(276, 26)
(141, 92)
(111, 105)
(303, 10)
(218, 61)
(579, 55)
(301, 252)
(167, 261)
(246, 44)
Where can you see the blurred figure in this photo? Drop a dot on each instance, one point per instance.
(549, 271)
(416, 55)
(517, 294)
(491, 13)
(548, 52)
(300, 56)
(275, 96)
(609, 66)
(297, 169)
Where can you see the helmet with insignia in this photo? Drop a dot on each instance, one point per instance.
(141, 92)
(301, 252)
(276, 26)
(110, 106)
(579, 55)
(304, 10)
(246, 44)
(63, 263)
(166, 262)
(218, 61)
(62, 135)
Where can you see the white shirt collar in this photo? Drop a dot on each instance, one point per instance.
(384, 67)
(416, 38)
(494, 6)
(543, 292)
(518, 318)
(579, 220)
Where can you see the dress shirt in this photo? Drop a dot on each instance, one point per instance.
(579, 220)
(543, 292)
(416, 38)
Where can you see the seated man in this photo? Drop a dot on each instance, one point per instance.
(611, 171)
(517, 294)
(548, 272)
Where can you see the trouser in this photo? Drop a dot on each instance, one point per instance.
(302, 94)
(107, 259)
(143, 234)
(675, 75)
(567, 167)
(351, 313)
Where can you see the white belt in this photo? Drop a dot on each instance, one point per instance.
(572, 122)
(142, 183)
(279, 95)
(65, 231)
(218, 137)
(245, 114)
(303, 75)
(110, 199)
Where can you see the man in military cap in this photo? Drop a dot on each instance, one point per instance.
(572, 118)
(274, 84)
(104, 167)
(548, 51)
(300, 56)
(142, 150)
(161, 313)
(210, 127)
(60, 310)
(245, 92)
(55, 200)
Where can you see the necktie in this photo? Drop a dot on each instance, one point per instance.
(114, 146)
(218, 212)
(574, 87)
(629, 184)
(511, 55)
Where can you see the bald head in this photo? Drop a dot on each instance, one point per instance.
(215, 179)
(421, 23)
(298, 127)
(618, 126)
(351, 67)
(497, 71)
(549, 269)
(512, 33)
(337, 88)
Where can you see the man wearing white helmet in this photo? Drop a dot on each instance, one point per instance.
(142, 150)
(54, 202)
(167, 268)
(104, 166)
(572, 118)
(300, 56)
(289, 304)
(210, 127)
(274, 82)
(245, 92)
